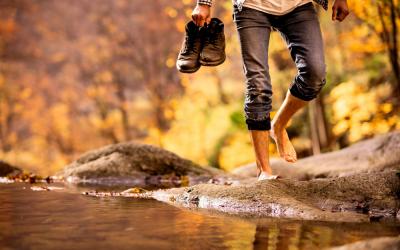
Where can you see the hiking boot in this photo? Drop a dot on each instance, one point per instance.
(188, 58)
(213, 52)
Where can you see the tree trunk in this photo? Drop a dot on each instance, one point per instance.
(320, 136)
(389, 38)
(123, 111)
(315, 142)
(222, 96)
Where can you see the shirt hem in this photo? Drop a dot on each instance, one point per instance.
(268, 11)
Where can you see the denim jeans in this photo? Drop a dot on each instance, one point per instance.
(301, 31)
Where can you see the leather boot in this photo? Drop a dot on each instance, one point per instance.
(188, 58)
(213, 52)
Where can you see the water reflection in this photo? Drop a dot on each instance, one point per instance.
(67, 220)
(293, 235)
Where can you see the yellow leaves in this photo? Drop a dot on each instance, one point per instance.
(188, 13)
(180, 25)
(186, 2)
(185, 81)
(170, 63)
(104, 76)
(97, 51)
(358, 111)
(97, 91)
(386, 108)
(361, 39)
(169, 114)
(171, 12)
(111, 121)
(237, 151)
(347, 98)
(25, 94)
(201, 126)
(340, 127)
(109, 25)
(60, 122)
(381, 127)
(394, 121)
(196, 128)
(57, 57)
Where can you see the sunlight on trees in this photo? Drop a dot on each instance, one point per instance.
(74, 77)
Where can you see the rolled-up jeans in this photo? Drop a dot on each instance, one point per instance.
(301, 30)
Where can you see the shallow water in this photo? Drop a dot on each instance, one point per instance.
(65, 219)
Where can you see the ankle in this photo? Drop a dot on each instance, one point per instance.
(266, 170)
(263, 168)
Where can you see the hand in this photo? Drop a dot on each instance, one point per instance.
(201, 14)
(339, 10)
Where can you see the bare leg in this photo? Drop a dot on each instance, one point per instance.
(289, 107)
(260, 139)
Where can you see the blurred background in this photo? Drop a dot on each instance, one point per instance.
(80, 74)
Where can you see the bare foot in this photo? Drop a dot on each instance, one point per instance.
(285, 147)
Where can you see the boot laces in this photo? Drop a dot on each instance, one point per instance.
(190, 41)
(212, 39)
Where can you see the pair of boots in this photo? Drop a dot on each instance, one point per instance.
(203, 46)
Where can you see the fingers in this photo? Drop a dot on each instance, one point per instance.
(201, 22)
(339, 10)
(198, 20)
(334, 13)
(341, 15)
(208, 19)
(195, 18)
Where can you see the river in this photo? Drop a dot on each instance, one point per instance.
(66, 219)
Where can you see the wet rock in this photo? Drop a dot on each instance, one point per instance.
(8, 169)
(368, 156)
(134, 190)
(131, 162)
(127, 193)
(381, 243)
(353, 198)
(45, 188)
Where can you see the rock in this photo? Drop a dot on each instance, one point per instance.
(376, 154)
(381, 243)
(250, 170)
(355, 198)
(8, 169)
(130, 162)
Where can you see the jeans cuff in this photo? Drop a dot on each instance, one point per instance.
(258, 124)
(294, 90)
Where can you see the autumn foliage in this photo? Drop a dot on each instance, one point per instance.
(76, 75)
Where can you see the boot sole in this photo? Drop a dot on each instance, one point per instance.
(188, 70)
(216, 63)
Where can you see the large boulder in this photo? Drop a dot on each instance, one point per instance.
(8, 169)
(133, 161)
(355, 198)
(376, 154)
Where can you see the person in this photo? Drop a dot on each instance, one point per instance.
(298, 24)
